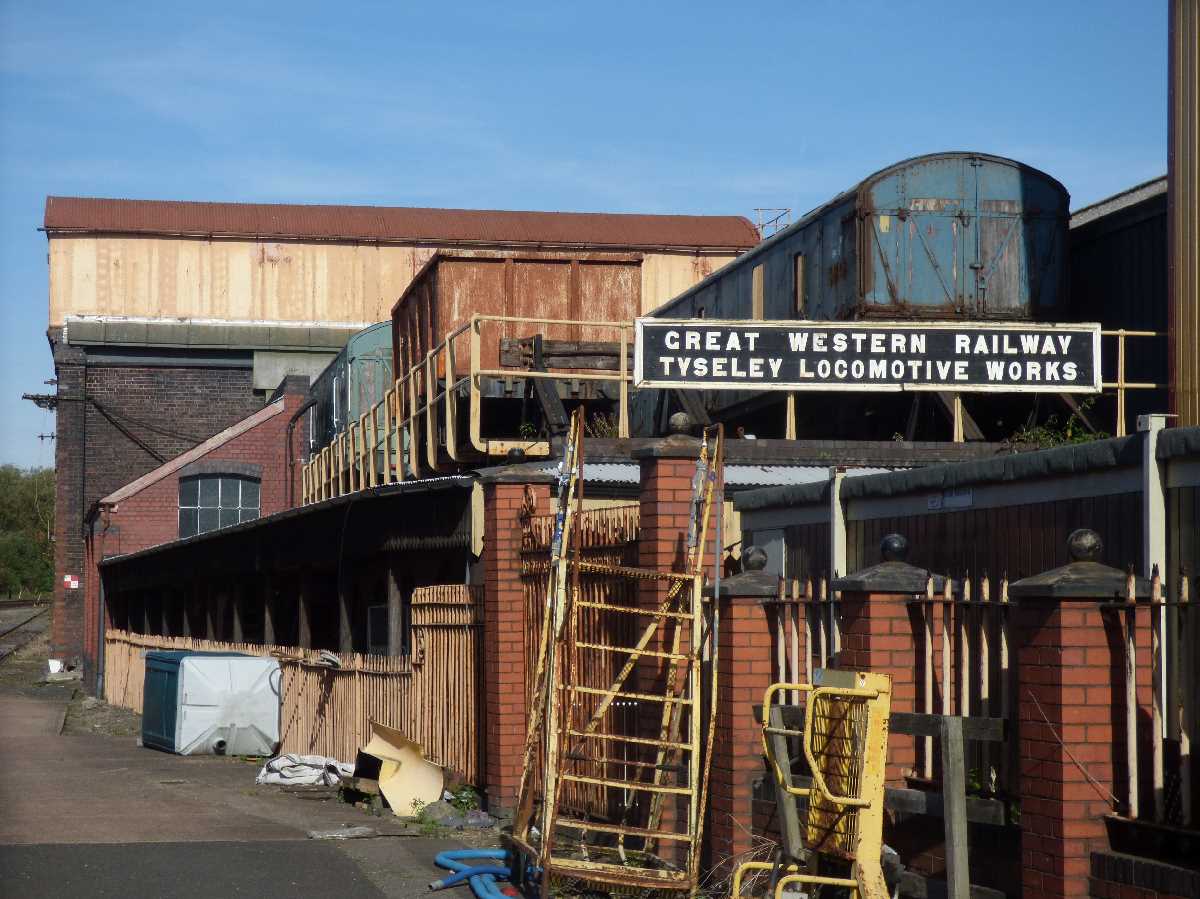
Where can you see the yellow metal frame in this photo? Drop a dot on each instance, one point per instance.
(564, 730)
(873, 691)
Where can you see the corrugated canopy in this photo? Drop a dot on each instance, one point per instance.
(396, 223)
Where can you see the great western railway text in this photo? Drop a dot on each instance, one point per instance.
(800, 355)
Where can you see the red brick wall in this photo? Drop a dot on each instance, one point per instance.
(744, 668)
(114, 424)
(1111, 889)
(878, 635)
(151, 516)
(505, 677)
(1071, 689)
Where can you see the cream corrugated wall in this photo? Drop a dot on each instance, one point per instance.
(1184, 204)
(253, 280)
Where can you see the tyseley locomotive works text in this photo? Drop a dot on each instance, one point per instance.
(801, 355)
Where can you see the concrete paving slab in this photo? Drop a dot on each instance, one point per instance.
(31, 718)
(95, 815)
(264, 870)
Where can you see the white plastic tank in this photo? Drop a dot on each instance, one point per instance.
(228, 705)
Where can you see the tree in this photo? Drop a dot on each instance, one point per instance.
(26, 530)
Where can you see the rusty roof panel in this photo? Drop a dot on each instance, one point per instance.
(396, 223)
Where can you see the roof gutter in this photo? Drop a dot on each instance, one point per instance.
(406, 241)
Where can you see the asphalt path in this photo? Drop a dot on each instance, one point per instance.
(94, 815)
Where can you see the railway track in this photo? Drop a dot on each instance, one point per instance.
(14, 636)
(27, 603)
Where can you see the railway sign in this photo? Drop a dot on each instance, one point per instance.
(982, 357)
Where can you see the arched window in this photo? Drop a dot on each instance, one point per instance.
(211, 501)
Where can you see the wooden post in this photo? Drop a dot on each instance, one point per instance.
(808, 635)
(1008, 752)
(954, 799)
(964, 649)
(789, 814)
(238, 599)
(395, 604)
(345, 612)
(303, 614)
(186, 601)
(1184, 698)
(1156, 694)
(211, 613)
(267, 590)
(1131, 765)
(823, 623)
(927, 705)
(985, 670)
(947, 625)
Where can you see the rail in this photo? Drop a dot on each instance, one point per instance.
(1121, 384)
(387, 442)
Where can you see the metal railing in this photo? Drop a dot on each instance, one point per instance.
(958, 431)
(1121, 384)
(420, 416)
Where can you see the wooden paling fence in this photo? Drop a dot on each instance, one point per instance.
(964, 664)
(961, 654)
(431, 696)
(1172, 678)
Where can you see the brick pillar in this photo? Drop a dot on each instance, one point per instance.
(667, 469)
(883, 632)
(744, 669)
(1070, 688)
(70, 454)
(504, 670)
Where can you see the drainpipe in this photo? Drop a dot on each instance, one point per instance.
(99, 539)
(288, 458)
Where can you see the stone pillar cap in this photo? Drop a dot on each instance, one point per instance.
(892, 575)
(753, 582)
(1084, 577)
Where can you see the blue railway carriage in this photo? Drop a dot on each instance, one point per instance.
(354, 381)
(944, 236)
(948, 236)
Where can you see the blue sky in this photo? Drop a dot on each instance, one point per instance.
(629, 107)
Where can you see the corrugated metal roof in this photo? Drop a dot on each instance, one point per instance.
(785, 475)
(1117, 202)
(396, 223)
(735, 475)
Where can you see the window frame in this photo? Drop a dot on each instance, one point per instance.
(192, 498)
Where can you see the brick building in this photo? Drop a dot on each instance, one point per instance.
(237, 475)
(170, 322)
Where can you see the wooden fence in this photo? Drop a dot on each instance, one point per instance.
(432, 696)
(961, 657)
(964, 658)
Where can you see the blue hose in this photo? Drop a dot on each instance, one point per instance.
(482, 879)
(470, 871)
